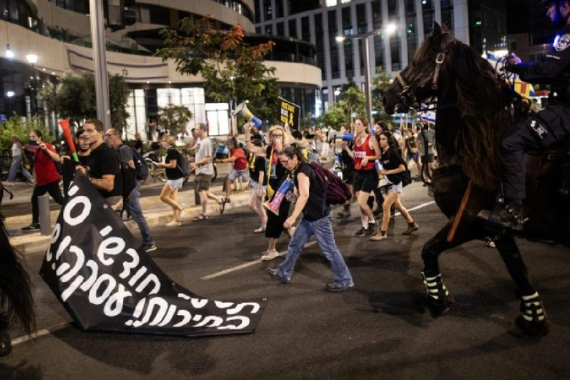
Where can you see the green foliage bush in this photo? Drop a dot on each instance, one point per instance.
(21, 127)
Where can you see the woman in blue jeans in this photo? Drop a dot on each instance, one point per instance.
(316, 221)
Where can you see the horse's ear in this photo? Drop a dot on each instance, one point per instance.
(436, 29)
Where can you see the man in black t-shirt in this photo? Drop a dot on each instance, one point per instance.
(103, 168)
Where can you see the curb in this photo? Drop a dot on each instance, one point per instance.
(34, 241)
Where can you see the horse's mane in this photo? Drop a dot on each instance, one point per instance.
(481, 102)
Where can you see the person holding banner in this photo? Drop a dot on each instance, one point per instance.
(47, 176)
(276, 174)
(316, 221)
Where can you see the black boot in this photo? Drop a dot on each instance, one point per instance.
(533, 322)
(507, 213)
(438, 296)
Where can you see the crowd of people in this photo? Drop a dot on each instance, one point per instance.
(371, 161)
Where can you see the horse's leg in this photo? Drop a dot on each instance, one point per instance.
(439, 299)
(5, 344)
(533, 321)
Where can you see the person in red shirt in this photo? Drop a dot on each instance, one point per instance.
(47, 175)
(365, 151)
(240, 169)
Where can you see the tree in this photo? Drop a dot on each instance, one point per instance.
(334, 117)
(17, 126)
(353, 100)
(74, 97)
(232, 70)
(380, 84)
(174, 119)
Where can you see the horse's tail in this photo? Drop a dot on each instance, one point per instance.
(15, 286)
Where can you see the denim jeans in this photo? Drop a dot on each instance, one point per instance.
(134, 208)
(17, 167)
(322, 229)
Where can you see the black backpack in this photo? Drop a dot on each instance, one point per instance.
(141, 167)
(183, 166)
(336, 191)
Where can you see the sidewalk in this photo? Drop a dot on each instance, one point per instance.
(156, 212)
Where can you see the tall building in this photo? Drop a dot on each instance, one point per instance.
(58, 34)
(481, 23)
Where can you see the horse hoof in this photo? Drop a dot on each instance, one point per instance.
(437, 309)
(5, 344)
(521, 328)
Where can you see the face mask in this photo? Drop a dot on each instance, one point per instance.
(278, 141)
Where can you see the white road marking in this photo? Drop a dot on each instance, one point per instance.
(252, 263)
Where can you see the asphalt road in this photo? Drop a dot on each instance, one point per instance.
(379, 330)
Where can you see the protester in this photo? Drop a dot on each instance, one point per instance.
(69, 165)
(204, 171)
(411, 150)
(133, 204)
(19, 159)
(175, 180)
(256, 179)
(366, 151)
(316, 221)
(276, 174)
(393, 166)
(347, 166)
(138, 144)
(239, 169)
(47, 176)
(104, 166)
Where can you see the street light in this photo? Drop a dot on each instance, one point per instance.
(388, 30)
(32, 59)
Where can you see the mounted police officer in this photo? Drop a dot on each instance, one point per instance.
(541, 129)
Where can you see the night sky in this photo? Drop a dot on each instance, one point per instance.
(518, 16)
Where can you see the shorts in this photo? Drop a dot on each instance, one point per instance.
(254, 185)
(429, 158)
(392, 188)
(365, 180)
(244, 174)
(202, 182)
(176, 183)
(348, 176)
(412, 156)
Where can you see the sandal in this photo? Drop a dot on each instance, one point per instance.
(223, 205)
(259, 230)
(200, 218)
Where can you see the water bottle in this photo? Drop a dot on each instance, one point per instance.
(378, 166)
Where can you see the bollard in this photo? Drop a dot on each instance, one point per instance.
(45, 222)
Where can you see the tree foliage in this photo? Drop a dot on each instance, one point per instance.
(232, 69)
(18, 126)
(175, 118)
(74, 97)
(380, 84)
(335, 116)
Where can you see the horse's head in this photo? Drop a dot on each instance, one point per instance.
(419, 80)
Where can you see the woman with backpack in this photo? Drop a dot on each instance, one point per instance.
(175, 180)
(392, 168)
(316, 220)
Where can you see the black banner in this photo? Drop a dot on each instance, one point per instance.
(289, 113)
(108, 285)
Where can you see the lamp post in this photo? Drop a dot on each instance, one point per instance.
(388, 30)
(32, 59)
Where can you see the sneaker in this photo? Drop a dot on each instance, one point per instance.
(173, 224)
(371, 229)
(150, 247)
(32, 227)
(182, 214)
(270, 254)
(273, 274)
(361, 232)
(334, 287)
(377, 211)
(411, 229)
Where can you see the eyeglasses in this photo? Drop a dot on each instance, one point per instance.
(280, 135)
(109, 134)
(284, 162)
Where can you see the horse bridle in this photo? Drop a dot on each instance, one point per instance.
(407, 95)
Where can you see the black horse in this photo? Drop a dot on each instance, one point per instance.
(16, 302)
(474, 113)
